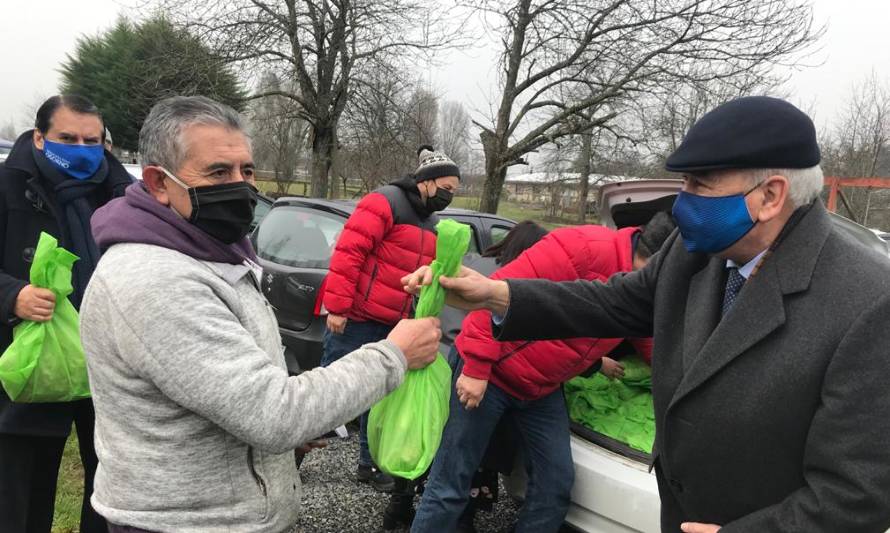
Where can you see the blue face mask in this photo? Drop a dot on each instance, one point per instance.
(80, 161)
(710, 224)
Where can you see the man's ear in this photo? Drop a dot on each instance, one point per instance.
(37, 137)
(155, 182)
(424, 189)
(775, 195)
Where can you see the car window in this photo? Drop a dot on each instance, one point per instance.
(498, 233)
(4, 150)
(473, 248)
(262, 209)
(298, 236)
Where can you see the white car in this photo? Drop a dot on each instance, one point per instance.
(614, 490)
(134, 170)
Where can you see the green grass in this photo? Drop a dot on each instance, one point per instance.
(514, 211)
(511, 210)
(301, 188)
(294, 188)
(69, 491)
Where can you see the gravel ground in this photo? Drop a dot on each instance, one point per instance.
(333, 501)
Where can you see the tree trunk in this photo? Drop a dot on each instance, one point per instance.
(494, 173)
(584, 186)
(491, 193)
(323, 141)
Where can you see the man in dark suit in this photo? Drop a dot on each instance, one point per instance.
(771, 336)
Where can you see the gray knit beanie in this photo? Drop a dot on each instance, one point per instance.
(434, 165)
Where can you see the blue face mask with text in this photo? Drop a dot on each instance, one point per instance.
(710, 224)
(80, 161)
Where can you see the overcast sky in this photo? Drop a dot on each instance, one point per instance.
(36, 36)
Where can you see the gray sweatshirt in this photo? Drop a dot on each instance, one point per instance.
(196, 417)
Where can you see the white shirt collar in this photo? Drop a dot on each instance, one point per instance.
(746, 269)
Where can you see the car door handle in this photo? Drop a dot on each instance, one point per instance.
(295, 285)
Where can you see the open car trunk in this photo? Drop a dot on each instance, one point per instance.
(623, 204)
(615, 415)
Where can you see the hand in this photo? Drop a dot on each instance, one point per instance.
(612, 368)
(469, 291)
(35, 304)
(695, 527)
(470, 390)
(418, 340)
(337, 324)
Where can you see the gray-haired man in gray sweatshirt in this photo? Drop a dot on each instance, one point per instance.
(196, 416)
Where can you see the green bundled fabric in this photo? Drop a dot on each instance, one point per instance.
(621, 409)
(45, 362)
(405, 427)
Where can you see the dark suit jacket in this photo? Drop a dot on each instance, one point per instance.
(774, 419)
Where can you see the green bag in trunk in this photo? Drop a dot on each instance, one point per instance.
(45, 362)
(405, 427)
(620, 408)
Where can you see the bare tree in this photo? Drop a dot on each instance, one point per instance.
(322, 45)
(665, 115)
(616, 50)
(420, 116)
(9, 131)
(859, 144)
(278, 134)
(454, 133)
(863, 132)
(386, 120)
(651, 126)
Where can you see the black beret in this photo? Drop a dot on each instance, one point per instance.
(750, 132)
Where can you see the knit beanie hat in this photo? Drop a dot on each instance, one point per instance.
(434, 165)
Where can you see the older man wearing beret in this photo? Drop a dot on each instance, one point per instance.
(771, 336)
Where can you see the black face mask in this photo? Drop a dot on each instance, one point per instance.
(222, 211)
(440, 200)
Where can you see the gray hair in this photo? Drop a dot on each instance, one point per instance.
(805, 184)
(160, 140)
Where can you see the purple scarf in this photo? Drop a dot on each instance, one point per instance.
(138, 217)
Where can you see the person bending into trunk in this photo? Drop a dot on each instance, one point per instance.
(523, 379)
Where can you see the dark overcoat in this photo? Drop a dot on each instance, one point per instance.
(775, 418)
(27, 208)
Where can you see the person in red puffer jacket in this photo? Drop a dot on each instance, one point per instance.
(389, 235)
(523, 380)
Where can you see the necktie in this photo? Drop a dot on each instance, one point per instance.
(734, 284)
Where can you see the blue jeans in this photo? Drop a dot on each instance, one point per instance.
(336, 346)
(544, 426)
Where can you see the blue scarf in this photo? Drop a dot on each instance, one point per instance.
(72, 197)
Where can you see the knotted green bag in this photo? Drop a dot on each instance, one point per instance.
(405, 427)
(45, 362)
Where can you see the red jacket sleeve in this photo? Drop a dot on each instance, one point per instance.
(366, 227)
(476, 343)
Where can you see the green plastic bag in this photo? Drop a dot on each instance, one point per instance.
(45, 362)
(621, 409)
(405, 427)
